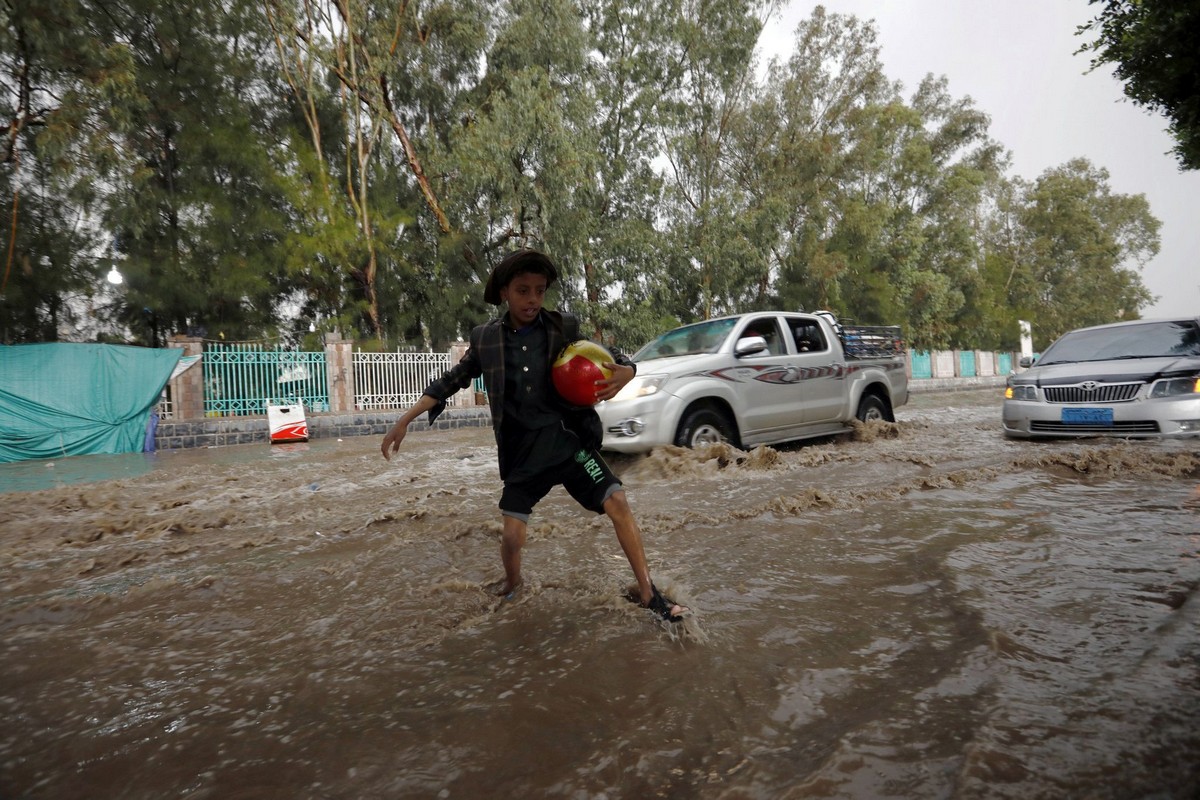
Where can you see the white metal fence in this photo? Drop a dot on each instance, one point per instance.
(394, 380)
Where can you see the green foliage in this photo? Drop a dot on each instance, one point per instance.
(1153, 48)
(1081, 236)
(713, 265)
(45, 273)
(63, 87)
(1070, 251)
(257, 168)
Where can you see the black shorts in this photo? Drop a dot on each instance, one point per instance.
(584, 475)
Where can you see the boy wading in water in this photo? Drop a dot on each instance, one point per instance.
(542, 441)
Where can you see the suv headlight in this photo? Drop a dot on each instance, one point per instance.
(641, 386)
(1175, 387)
(1021, 391)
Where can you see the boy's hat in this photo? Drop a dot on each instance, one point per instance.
(514, 264)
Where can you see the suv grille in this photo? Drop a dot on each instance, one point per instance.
(1103, 393)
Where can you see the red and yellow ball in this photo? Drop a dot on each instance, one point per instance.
(576, 370)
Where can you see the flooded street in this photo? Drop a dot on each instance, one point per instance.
(920, 610)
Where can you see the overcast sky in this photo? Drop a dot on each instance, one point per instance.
(1015, 59)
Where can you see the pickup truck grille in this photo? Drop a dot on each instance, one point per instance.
(1102, 393)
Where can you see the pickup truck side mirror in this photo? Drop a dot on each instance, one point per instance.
(749, 345)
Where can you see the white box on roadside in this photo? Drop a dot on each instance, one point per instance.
(287, 423)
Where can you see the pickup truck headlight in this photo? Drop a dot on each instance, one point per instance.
(640, 386)
(1175, 387)
(1021, 391)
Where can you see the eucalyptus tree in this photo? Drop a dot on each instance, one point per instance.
(1077, 251)
(632, 70)
(494, 157)
(925, 271)
(711, 257)
(197, 216)
(988, 319)
(358, 73)
(521, 162)
(872, 198)
(51, 285)
(807, 155)
(433, 284)
(65, 87)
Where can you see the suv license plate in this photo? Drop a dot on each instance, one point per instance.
(1087, 416)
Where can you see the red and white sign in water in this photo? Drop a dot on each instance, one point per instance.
(287, 423)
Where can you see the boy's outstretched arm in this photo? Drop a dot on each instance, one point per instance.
(393, 438)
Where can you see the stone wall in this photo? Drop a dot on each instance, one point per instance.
(919, 385)
(219, 432)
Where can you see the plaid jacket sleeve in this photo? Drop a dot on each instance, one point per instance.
(462, 374)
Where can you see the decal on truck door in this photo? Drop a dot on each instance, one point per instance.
(786, 374)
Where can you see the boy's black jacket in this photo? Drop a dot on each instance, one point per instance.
(485, 357)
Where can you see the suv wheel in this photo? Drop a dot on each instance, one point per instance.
(704, 426)
(872, 409)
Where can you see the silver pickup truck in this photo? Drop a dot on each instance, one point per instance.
(754, 379)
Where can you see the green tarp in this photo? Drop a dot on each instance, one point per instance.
(77, 399)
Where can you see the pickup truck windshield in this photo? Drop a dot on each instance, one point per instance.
(1151, 340)
(703, 337)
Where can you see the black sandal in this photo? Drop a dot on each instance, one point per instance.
(660, 605)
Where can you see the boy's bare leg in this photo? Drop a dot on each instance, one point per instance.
(512, 539)
(630, 536)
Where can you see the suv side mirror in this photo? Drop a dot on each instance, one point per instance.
(749, 345)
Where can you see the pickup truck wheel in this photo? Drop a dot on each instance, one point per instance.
(872, 409)
(703, 427)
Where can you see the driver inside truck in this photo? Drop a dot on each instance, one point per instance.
(808, 338)
(767, 329)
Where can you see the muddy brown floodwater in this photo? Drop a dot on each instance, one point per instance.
(918, 610)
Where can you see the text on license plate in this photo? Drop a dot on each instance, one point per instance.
(1087, 416)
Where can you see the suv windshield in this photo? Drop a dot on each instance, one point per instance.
(703, 337)
(1150, 340)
